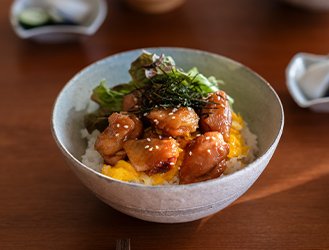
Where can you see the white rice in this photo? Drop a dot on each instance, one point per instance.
(93, 159)
(237, 163)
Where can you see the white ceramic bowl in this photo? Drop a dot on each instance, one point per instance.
(57, 33)
(254, 99)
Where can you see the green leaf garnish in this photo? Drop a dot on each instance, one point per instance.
(161, 84)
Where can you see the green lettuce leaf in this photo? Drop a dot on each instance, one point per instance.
(137, 69)
(205, 84)
(148, 65)
(109, 101)
(107, 98)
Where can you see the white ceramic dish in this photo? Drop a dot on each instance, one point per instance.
(295, 69)
(54, 33)
(254, 99)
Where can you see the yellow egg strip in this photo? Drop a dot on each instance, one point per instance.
(238, 147)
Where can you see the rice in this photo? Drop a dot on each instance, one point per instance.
(91, 157)
(237, 163)
(94, 160)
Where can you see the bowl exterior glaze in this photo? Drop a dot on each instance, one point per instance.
(254, 99)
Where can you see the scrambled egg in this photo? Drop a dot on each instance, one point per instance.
(238, 146)
(124, 171)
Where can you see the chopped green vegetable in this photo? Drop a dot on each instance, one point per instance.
(33, 17)
(208, 85)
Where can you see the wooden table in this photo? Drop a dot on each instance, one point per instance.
(44, 206)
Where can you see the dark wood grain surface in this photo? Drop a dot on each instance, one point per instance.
(44, 206)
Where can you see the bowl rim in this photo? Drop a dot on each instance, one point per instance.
(59, 29)
(222, 178)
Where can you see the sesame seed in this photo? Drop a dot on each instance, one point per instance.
(171, 163)
(213, 137)
(171, 113)
(208, 150)
(135, 99)
(118, 125)
(190, 153)
(117, 135)
(147, 146)
(161, 115)
(151, 149)
(174, 110)
(207, 138)
(126, 126)
(198, 135)
(156, 121)
(145, 114)
(189, 108)
(170, 137)
(136, 106)
(173, 117)
(160, 137)
(156, 146)
(148, 139)
(179, 105)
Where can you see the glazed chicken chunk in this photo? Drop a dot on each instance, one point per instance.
(205, 158)
(152, 154)
(132, 101)
(121, 128)
(217, 116)
(174, 121)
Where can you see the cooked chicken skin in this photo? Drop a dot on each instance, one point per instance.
(217, 116)
(131, 101)
(205, 158)
(174, 122)
(121, 128)
(151, 154)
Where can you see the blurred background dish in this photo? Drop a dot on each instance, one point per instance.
(310, 4)
(57, 20)
(307, 78)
